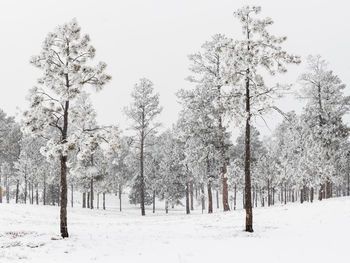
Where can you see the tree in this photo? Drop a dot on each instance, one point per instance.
(209, 68)
(252, 97)
(143, 111)
(63, 60)
(323, 115)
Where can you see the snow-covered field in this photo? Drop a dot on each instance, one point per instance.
(294, 233)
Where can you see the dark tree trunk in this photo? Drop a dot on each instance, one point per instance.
(217, 199)
(191, 194)
(84, 200)
(25, 188)
(154, 201)
(44, 191)
(88, 200)
(187, 199)
(210, 199)
(166, 206)
(104, 201)
(36, 194)
(328, 189)
(312, 195)
(235, 198)
(17, 190)
(98, 201)
(202, 198)
(225, 204)
(32, 190)
(268, 193)
(320, 192)
(63, 205)
(92, 194)
(120, 197)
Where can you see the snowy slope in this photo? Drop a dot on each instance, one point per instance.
(294, 233)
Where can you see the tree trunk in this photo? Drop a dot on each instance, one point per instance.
(44, 191)
(0, 190)
(36, 194)
(202, 198)
(154, 201)
(328, 189)
(92, 193)
(225, 204)
(217, 199)
(166, 206)
(120, 197)
(84, 200)
(63, 205)
(88, 200)
(104, 201)
(98, 201)
(32, 187)
(235, 198)
(210, 199)
(191, 194)
(312, 195)
(17, 190)
(187, 198)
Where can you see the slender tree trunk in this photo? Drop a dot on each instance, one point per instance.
(191, 194)
(328, 189)
(92, 193)
(17, 191)
(0, 190)
(166, 206)
(187, 198)
(120, 197)
(225, 204)
(88, 200)
(312, 195)
(217, 199)
(84, 200)
(36, 194)
(7, 190)
(154, 202)
(202, 198)
(235, 198)
(320, 192)
(268, 193)
(104, 201)
(63, 205)
(210, 199)
(32, 189)
(98, 201)
(44, 191)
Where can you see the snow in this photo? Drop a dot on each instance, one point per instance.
(296, 232)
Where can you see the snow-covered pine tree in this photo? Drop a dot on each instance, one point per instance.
(252, 97)
(142, 112)
(63, 61)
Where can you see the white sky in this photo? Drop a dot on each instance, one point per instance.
(152, 38)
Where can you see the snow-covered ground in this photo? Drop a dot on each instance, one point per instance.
(293, 233)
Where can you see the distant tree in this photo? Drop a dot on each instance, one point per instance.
(142, 112)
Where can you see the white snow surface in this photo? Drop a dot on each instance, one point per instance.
(296, 232)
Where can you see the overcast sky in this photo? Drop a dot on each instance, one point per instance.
(152, 38)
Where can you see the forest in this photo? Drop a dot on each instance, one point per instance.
(57, 153)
